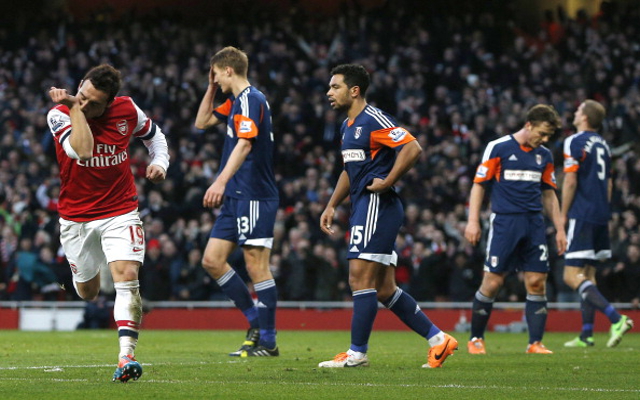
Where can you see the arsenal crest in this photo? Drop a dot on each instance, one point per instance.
(538, 159)
(358, 132)
(123, 128)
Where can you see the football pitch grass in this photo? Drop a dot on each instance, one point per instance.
(195, 365)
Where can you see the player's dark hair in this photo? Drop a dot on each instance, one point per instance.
(106, 79)
(354, 75)
(231, 57)
(594, 112)
(542, 113)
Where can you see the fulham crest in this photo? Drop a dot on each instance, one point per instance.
(358, 132)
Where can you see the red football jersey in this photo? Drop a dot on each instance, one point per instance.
(102, 186)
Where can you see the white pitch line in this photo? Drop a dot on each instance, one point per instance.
(474, 387)
(352, 384)
(109, 365)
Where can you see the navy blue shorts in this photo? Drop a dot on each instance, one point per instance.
(587, 243)
(375, 221)
(517, 242)
(246, 222)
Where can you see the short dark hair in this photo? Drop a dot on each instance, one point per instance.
(354, 75)
(231, 57)
(542, 113)
(594, 112)
(106, 79)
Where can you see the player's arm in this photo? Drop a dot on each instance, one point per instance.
(340, 192)
(159, 152)
(406, 158)
(215, 194)
(473, 231)
(205, 117)
(569, 187)
(552, 209)
(81, 138)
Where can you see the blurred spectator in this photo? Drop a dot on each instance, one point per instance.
(455, 83)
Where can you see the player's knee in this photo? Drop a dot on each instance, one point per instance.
(213, 265)
(536, 286)
(490, 288)
(88, 294)
(384, 293)
(129, 275)
(572, 279)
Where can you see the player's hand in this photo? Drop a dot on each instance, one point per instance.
(472, 232)
(326, 219)
(156, 173)
(561, 242)
(212, 79)
(378, 186)
(214, 195)
(61, 96)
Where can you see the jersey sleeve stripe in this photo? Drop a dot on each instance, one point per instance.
(379, 117)
(145, 129)
(62, 132)
(244, 104)
(65, 136)
(143, 123)
(491, 145)
(151, 134)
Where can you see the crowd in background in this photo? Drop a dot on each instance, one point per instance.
(455, 79)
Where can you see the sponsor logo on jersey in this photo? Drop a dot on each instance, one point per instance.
(56, 123)
(350, 155)
(513, 158)
(137, 249)
(539, 159)
(482, 171)
(123, 127)
(104, 161)
(397, 134)
(358, 132)
(245, 126)
(522, 175)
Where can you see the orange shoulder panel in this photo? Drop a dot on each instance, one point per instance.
(389, 137)
(547, 176)
(245, 127)
(224, 108)
(488, 170)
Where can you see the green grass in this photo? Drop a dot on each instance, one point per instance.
(194, 365)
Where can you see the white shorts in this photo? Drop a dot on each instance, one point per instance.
(90, 246)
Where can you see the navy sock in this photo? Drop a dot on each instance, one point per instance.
(588, 318)
(480, 313)
(535, 310)
(590, 293)
(407, 309)
(267, 302)
(365, 308)
(233, 286)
